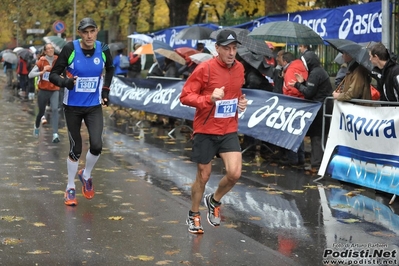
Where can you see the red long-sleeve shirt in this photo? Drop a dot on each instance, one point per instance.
(198, 89)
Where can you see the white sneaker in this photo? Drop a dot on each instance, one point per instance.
(44, 120)
(56, 139)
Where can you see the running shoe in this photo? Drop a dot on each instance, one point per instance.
(194, 224)
(36, 132)
(213, 215)
(70, 197)
(87, 186)
(56, 139)
(44, 120)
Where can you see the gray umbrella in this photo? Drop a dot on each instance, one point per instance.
(116, 46)
(25, 54)
(194, 33)
(10, 58)
(357, 51)
(286, 32)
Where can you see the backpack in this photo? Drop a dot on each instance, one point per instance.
(124, 62)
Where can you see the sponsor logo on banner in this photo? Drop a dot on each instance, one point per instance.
(274, 118)
(359, 24)
(318, 24)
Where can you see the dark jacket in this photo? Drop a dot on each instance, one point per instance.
(387, 81)
(316, 88)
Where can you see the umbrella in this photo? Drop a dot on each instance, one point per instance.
(215, 33)
(256, 61)
(160, 58)
(194, 33)
(286, 32)
(357, 51)
(10, 58)
(140, 38)
(144, 49)
(172, 55)
(211, 48)
(256, 46)
(56, 41)
(200, 57)
(25, 54)
(16, 49)
(116, 46)
(185, 52)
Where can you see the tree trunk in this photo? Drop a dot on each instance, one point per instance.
(178, 12)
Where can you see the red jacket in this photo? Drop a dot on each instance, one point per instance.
(198, 89)
(22, 67)
(295, 66)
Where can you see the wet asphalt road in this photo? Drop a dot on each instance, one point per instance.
(275, 215)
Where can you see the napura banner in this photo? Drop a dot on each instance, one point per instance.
(362, 146)
(270, 117)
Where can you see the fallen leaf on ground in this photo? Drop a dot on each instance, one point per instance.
(39, 224)
(11, 241)
(310, 186)
(164, 262)
(349, 221)
(352, 193)
(255, 218)
(10, 218)
(230, 225)
(172, 252)
(139, 257)
(116, 218)
(297, 191)
(38, 252)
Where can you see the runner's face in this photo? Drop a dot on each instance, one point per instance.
(49, 50)
(227, 53)
(89, 36)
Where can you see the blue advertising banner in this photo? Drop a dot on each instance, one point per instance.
(274, 118)
(359, 23)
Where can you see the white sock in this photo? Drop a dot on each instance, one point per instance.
(90, 162)
(72, 168)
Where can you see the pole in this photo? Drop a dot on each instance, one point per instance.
(386, 25)
(74, 20)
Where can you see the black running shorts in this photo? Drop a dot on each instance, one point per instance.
(206, 146)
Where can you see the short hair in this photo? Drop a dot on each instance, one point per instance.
(380, 50)
(288, 57)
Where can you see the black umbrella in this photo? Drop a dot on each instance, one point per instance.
(116, 46)
(255, 46)
(256, 61)
(194, 33)
(357, 51)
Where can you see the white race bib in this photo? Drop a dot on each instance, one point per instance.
(86, 84)
(46, 76)
(226, 108)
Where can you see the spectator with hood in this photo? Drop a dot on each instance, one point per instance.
(316, 88)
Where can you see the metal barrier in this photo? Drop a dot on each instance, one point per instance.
(327, 116)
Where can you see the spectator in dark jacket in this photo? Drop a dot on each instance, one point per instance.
(316, 88)
(386, 72)
(170, 68)
(134, 70)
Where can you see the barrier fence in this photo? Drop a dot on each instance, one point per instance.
(362, 143)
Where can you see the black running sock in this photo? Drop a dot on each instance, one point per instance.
(214, 202)
(191, 213)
